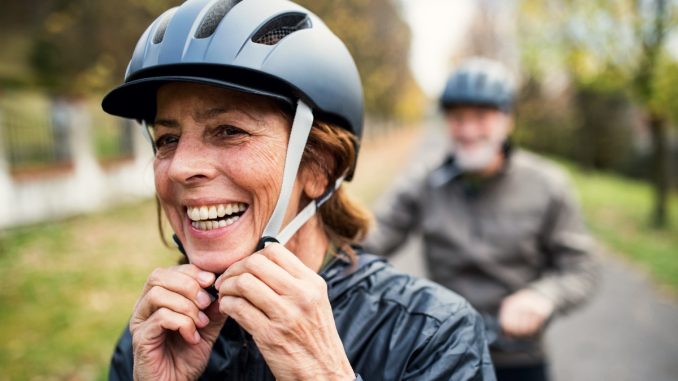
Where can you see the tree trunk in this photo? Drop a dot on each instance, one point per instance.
(660, 170)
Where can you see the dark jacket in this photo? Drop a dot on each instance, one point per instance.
(393, 327)
(488, 239)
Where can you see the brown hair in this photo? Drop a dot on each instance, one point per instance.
(330, 152)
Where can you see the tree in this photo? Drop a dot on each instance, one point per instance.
(82, 46)
(379, 40)
(617, 47)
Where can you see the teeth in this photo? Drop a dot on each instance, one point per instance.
(204, 213)
(193, 214)
(214, 212)
(211, 225)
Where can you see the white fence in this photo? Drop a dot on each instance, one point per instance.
(86, 185)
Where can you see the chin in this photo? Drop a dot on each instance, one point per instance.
(214, 248)
(215, 261)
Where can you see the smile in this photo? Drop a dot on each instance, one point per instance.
(215, 216)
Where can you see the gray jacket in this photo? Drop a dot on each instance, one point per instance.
(486, 240)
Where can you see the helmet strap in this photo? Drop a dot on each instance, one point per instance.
(301, 129)
(146, 131)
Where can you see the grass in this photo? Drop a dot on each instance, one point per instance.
(67, 291)
(68, 288)
(618, 212)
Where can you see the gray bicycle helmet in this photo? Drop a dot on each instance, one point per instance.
(273, 48)
(482, 82)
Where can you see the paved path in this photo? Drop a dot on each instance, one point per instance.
(628, 332)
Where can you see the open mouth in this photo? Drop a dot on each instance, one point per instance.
(215, 216)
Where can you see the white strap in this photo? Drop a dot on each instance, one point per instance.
(306, 213)
(301, 128)
(297, 222)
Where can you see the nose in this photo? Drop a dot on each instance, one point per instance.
(465, 128)
(191, 163)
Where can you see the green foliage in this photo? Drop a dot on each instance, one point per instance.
(83, 46)
(612, 52)
(665, 88)
(610, 46)
(616, 211)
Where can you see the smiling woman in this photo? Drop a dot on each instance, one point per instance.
(219, 147)
(256, 112)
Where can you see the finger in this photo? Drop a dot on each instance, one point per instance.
(263, 268)
(508, 319)
(182, 272)
(184, 280)
(284, 258)
(164, 320)
(256, 292)
(244, 313)
(525, 324)
(159, 297)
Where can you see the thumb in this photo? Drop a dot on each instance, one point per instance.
(211, 331)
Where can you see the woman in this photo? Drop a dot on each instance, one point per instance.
(255, 109)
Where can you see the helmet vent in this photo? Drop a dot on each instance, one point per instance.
(280, 27)
(160, 32)
(214, 16)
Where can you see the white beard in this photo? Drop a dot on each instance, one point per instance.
(481, 155)
(477, 158)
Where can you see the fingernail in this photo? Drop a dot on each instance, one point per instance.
(205, 277)
(196, 337)
(203, 299)
(203, 318)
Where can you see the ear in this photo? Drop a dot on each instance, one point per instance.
(313, 181)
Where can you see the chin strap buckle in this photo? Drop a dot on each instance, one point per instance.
(265, 241)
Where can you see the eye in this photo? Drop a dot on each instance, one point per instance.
(165, 140)
(226, 130)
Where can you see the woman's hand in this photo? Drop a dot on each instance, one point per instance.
(524, 313)
(171, 335)
(285, 307)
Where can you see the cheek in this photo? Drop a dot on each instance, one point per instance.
(499, 130)
(163, 184)
(166, 193)
(258, 169)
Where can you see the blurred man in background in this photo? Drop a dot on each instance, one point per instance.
(500, 225)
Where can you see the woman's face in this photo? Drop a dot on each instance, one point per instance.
(218, 168)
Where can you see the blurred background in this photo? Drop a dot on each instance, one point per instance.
(599, 95)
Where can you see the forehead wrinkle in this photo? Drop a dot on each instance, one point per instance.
(210, 113)
(214, 112)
